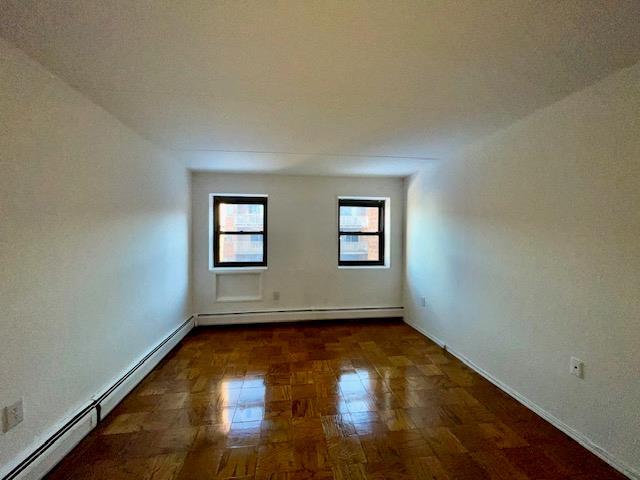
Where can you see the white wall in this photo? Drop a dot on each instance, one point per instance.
(302, 245)
(93, 246)
(527, 248)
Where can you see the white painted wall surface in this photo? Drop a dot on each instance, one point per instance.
(527, 249)
(94, 248)
(303, 243)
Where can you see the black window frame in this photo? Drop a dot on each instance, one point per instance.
(238, 200)
(369, 203)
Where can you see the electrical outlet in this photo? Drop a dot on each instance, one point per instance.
(423, 301)
(276, 296)
(576, 366)
(12, 416)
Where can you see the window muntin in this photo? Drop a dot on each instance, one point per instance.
(360, 232)
(240, 231)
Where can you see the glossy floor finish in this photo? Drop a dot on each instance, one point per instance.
(343, 400)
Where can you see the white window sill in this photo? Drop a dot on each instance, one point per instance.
(363, 267)
(237, 269)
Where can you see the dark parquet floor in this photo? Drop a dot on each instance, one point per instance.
(333, 400)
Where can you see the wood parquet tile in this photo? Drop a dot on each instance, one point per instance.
(335, 400)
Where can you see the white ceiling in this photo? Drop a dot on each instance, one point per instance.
(374, 87)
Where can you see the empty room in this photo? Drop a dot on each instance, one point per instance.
(320, 239)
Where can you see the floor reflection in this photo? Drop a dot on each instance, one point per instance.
(318, 402)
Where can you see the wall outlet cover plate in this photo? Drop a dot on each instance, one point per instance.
(576, 367)
(13, 415)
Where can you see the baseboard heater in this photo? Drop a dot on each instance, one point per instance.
(65, 438)
(296, 315)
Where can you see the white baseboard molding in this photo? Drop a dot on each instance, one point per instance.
(579, 437)
(242, 318)
(126, 382)
(37, 461)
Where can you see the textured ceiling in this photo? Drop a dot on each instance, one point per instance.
(327, 86)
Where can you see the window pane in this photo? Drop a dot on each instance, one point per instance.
(359, 248)
(241, 248)
(359, 219)
(241, 217)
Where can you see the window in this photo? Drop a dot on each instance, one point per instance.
(361, 232)
(239, 231)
